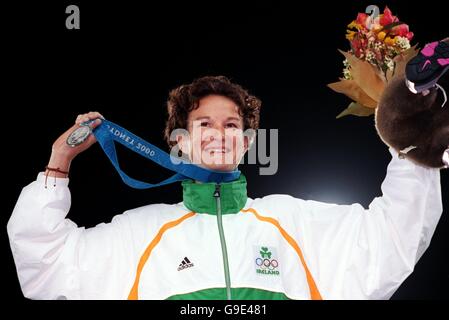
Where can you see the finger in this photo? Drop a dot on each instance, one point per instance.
(89, 117)
(94, 115)
(95, 124)
(78, 119)
(82, 118)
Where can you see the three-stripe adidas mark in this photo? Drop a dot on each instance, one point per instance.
(185, 263)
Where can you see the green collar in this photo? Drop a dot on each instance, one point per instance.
(199, 197)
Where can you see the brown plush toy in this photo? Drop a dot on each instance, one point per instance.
(412, 116)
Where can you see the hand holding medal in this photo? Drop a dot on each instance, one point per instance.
(74, 141)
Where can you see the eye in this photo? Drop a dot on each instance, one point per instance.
(231, 125)
(204, 124)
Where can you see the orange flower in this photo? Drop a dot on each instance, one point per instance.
(389, 41)
(350, 35)
(381, 35)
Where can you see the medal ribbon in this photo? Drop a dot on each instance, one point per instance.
(108, 132)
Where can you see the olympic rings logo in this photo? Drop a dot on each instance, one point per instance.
(267, 263)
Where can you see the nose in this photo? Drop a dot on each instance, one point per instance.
(218, 133)
(217, 136)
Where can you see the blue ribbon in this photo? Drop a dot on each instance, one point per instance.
(108, 132)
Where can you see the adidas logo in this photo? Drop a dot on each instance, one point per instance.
(185, 263)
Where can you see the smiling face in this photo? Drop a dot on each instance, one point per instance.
(216, 139)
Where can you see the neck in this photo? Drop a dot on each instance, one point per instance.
(199, 196)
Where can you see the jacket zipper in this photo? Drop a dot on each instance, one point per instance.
(224, 251)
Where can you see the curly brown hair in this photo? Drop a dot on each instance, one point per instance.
(185, 98)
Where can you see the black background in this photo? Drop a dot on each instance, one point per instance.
(128, 55)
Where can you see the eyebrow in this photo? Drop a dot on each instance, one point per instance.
(208, 118)
(234, 118)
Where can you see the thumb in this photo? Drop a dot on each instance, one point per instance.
(95, 123)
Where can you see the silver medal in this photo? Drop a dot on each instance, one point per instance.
(79, 135)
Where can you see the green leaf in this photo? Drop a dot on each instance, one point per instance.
(356, 109)
(392, 25)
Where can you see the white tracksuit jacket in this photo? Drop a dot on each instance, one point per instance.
(274, 247)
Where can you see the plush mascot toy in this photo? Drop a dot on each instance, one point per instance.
(413, 114)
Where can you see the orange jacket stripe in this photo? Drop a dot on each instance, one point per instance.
(314, 293)
(134, 294)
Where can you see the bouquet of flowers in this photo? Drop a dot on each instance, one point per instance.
(380, 49)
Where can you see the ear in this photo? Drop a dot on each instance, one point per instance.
(246, 143)
(249, 137)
